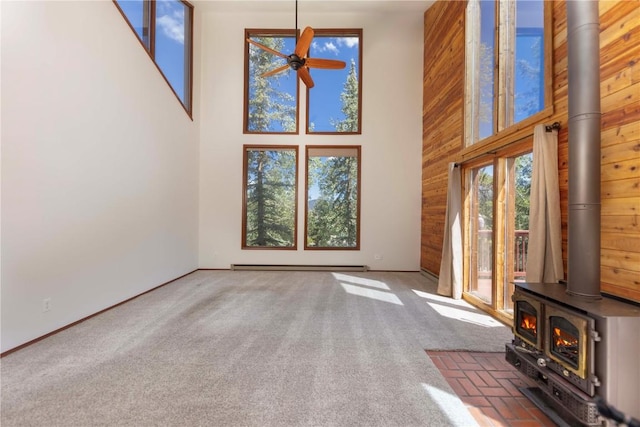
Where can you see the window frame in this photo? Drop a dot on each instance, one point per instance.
(261, 32)
(338, 32)
(149, 14)
(245, 149)
(502, 227)
(503, 131)
(358, 149)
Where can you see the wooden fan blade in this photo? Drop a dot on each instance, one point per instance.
(274, 71)
(302, 47)
(331, 64)
(268, 49)
(303, 73)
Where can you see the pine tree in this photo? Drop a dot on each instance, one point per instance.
(523, 173)
(268, 106)
(349, 97)
(332, 221)
(271, 195)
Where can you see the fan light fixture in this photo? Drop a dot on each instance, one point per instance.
(298, 60)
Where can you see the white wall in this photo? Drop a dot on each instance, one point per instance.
(99, 167)
(391, 139)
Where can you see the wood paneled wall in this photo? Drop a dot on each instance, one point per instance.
(620, 140)
(442, 118)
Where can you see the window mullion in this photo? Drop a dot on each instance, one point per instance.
(188, 55)
(150, 14)
(500, 218)
(497, 91)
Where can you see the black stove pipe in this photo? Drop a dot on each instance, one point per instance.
(583, 41)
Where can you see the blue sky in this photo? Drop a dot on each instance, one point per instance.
(325, 104)
(529, 38)
(324, 99)
(169, 42)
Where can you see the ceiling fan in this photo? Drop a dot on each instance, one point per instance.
(298, 60)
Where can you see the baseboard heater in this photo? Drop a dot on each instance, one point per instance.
(298, 267)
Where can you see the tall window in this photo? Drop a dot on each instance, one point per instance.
(481, 232)
(271, 103)
(518, 175)
(334, 104)
(333, 197)
(497, 225)
(506, 64)
(269, 198)
(165, 30)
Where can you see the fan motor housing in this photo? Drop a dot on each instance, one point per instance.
(295, 61)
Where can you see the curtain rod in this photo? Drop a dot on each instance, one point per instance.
(548, 128)
(554, 126)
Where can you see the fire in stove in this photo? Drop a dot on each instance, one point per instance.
(566, 346)
(567, 340)
(528, 324)
(527, 320)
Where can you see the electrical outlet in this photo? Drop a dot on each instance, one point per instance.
(46, 305)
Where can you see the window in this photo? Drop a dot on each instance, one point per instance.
(271, 103)
(508, 57)
(519, 170)
(481, 232)
(333, 197)
(497, 203)
(165, 30)
(269, 208)
(334, 107)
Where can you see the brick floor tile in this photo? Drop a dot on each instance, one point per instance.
(456, 356)
(503, 409)
(488, 378)
(519, 411)
(510, 387)
(494, 416)
(457, 387)
(438, 362)
(468, 357)
(494, 391)
(490, 364)
(476, 401)
(470, 366)
(481, 419)
(526, 403)
(449, 363)
(504, 374)
(451, 373)
(469, 387)
(474, 376)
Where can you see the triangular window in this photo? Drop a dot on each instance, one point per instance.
(165, 30)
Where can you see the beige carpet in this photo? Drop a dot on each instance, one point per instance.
(231, 348)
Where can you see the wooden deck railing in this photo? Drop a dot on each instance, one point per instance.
(485, 262)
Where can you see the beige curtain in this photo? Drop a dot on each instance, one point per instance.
(544, 257)
(450, 277)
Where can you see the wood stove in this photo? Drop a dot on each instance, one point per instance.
(578, 346)
(577, 349)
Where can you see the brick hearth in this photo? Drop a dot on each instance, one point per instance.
(488, 386)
